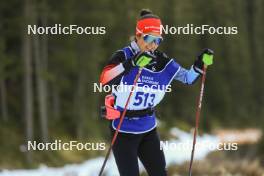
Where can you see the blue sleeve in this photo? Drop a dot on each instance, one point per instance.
(186, 76)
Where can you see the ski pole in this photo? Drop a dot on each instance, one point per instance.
(120, 122)
(206, 57)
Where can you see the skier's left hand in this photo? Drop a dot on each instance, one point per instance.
(201, 60)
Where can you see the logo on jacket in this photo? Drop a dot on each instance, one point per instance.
(148, 79)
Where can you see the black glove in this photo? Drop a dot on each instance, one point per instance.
(141, 59)
(161, 55)
(198, 63)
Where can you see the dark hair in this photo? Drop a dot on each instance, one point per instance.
(146, 13)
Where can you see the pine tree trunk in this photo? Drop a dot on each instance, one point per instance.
(40, 55)
(4, 107)
(28, 89)
(80, 105)
(41, 91)
(55, 103)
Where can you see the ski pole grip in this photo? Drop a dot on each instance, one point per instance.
(208, 58)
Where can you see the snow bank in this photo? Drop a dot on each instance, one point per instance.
(177, 150)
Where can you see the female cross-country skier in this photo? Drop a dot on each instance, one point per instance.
(138, 137)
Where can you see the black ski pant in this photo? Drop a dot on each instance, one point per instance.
(129, 147)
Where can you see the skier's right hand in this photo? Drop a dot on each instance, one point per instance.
(142, 59)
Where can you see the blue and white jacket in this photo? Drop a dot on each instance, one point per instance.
(150, 89)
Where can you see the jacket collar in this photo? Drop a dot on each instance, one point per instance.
(134, 46)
